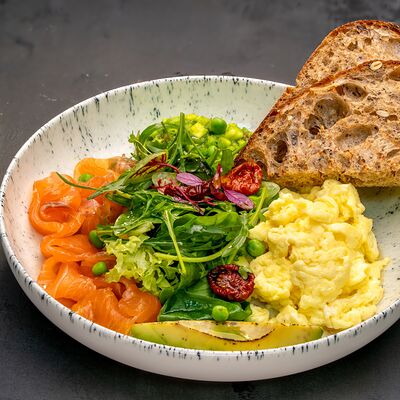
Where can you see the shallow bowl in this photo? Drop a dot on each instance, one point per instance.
(99, 127)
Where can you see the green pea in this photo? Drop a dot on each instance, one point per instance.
(255, 247)
(218, 126)
(220, 313)
(99, 268)
(85, 177)
(95, 240)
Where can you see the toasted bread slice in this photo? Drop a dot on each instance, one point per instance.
(345, 47)
(349, 45)
(346, 127)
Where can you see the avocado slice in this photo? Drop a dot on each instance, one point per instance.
(227, 336)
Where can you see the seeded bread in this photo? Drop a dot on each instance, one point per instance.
(345, 47)
(346, 127)
(349, 45)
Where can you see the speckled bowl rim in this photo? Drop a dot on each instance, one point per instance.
(102, 331)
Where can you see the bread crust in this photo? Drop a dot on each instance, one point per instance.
(306, 77)
(346, 127)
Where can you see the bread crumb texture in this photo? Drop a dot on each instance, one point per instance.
(344, 128)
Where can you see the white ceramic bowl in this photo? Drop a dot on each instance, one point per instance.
(99, 127)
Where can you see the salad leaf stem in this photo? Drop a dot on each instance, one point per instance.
(254, 218)
(169, 223)
(70, 183)
(170, 257)
(231, 258)
(196, 148)
(137, 174)
(123, 194)
(178, 151)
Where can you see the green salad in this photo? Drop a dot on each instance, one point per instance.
(188, 210)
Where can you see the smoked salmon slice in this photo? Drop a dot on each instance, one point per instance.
(103, 307)
(70, 284)
(101, 166)
(54, 208)
(142, 306)
(49, 271)
(72, 248)
(88, 262)
(65, 216)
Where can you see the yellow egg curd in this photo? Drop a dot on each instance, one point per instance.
(323, 265)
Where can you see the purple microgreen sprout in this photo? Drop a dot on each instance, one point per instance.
(239, 199)
(189, 179)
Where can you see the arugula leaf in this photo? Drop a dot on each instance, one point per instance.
(128, 224)
(269, 191)
(202, 238)
(175, 140)
(140, 149)
(175, 150)
(154, 139)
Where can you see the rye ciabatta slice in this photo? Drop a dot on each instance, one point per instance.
(345, 47)
(346, 127)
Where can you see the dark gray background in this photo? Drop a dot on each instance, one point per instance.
(56, 53)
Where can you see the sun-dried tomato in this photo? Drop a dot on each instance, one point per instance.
(226, 282)
(246, 178)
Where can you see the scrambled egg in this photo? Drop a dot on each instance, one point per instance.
(323, 265)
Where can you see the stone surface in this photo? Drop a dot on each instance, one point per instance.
(56, 53)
